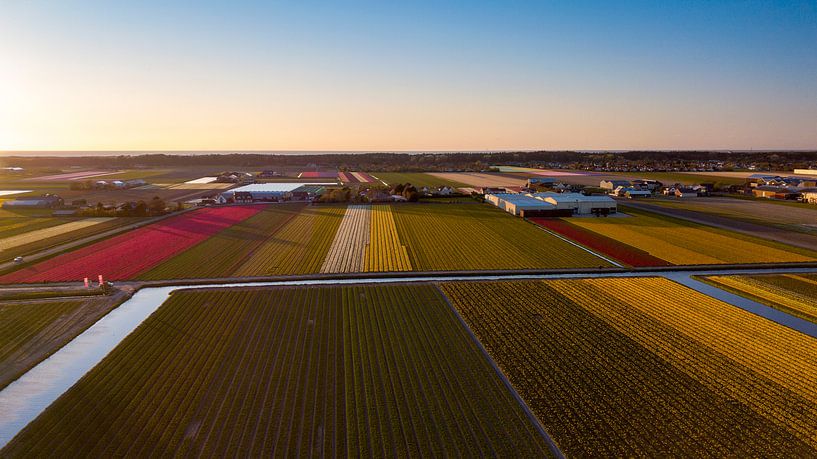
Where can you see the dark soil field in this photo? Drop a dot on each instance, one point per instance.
(336, 371)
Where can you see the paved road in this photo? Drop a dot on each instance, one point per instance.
(797, 239)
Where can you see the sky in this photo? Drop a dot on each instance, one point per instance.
(418, 75)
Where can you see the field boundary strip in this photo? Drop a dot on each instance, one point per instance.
(554, 448)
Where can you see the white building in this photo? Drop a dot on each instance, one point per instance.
(578, 203)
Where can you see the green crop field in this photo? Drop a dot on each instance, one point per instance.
(31, 330)
(475, 236)
(223, 254)
(645, 367)
(418, 179)
(299, 247)
(369, 371)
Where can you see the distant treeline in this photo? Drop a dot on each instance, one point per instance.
(403, 162)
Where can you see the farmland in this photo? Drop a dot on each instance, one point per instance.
(222, 254)
(685, 243)
(795, 294)
(475, 179)
(473, 236)
(601, 244)
(336, 371)
(794, 217)
(647, 367)
(348, 250)
(299, 247)
(126, 255)
(417, 179)
(385, 251)
(30, 330)
(66, 231)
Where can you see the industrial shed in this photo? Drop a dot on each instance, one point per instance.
(578, 203)
(272, 192)
(519, 204)
(551, 204)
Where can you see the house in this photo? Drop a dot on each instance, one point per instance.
(613, 184)
(684, 192)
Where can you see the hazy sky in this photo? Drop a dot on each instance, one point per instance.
(407, 75)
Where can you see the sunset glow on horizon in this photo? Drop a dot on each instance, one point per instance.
(86, 75)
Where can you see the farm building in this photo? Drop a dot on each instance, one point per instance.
(523, 205)
(272, 192)
(533, 182)
(45, 201)
(613, 184)
(578, 203)
(632, 193)
(775, 192)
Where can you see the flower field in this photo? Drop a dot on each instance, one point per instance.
(353, 371)
(647, 367)
(795, 294)
(348, 250)
(222, 254)
(299, 247)
(50, 232)
(473, 236)
(685, 243)
(385, 251)
(601, 244)
(14, 226)
(126, 255)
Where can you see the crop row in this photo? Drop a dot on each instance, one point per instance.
(222, 254)
(299, 247)
(126, 255)
(348, 250)
(337, 371)
(795, 294)
(385, 251)
(685, 243)
(646, 367)
(473, 236)
(608, 246)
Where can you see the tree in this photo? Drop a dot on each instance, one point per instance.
(157, 205)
